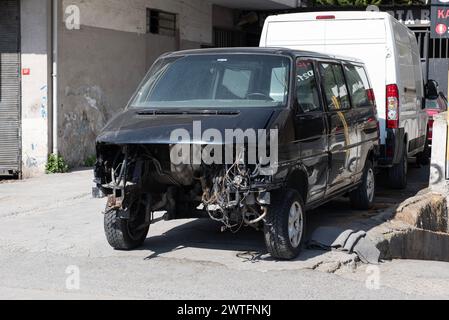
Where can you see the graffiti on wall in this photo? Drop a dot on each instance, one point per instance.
(81, 123)
(44, 103)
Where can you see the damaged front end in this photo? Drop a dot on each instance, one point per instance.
(195, 97)
(140, 180)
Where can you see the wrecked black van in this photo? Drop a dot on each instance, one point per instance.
(247, 137)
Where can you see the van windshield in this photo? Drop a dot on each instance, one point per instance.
(215, 81)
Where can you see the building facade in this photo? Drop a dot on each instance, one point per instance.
(68, 66)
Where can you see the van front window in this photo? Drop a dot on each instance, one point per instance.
(215, 81)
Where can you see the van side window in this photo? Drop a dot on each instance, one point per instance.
(307, 94)
(358, 86)
(334, 87)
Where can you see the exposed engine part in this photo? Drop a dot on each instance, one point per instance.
(231, 200)
(260, 218)
(143, 178)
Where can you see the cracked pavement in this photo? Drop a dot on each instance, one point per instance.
(51, 223)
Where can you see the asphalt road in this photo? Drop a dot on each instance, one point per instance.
(52, 247)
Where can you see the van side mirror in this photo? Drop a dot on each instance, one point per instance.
(432, 90)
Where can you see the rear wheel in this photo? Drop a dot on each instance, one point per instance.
(363, 197)
(423, 158)
(397, 175)
(285, 224)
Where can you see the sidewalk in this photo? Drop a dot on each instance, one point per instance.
(46, 192)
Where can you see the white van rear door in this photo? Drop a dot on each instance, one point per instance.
(321, 32)
(355, 31)
(295, 33)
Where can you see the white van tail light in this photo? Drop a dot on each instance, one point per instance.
(392, 106)
(325, 17)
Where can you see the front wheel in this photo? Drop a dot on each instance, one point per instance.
(285, 224)
(363, 197)
(124, 234)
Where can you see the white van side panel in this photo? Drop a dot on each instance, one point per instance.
(406, 80)
(410, 82)
(422, 114)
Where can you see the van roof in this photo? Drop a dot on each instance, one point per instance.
(256, 50)
(339, 15)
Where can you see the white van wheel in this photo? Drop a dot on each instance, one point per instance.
(398, 174)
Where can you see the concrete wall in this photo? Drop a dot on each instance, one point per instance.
(194, 16)
(98, 72)
(223, 17)
(35, 28)
(438, 170)
(156, 45)
(101, 64)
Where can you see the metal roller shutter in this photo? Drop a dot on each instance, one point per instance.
(9, 86)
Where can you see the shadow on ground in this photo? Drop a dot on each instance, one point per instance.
(249, 243)
(206, 234)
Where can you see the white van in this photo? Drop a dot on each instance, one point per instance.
(390, 52)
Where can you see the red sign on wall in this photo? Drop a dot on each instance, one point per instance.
(441, 29)
(26, 71)
(439, 19)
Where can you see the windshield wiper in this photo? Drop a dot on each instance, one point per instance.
(196, 113)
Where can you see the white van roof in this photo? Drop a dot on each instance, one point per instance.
(339, 15)
(258, 50)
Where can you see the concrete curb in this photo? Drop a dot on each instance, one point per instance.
(414, 230)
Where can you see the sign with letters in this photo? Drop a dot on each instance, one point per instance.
(440, 19)
(412, 17)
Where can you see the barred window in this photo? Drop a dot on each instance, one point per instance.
(162, 23)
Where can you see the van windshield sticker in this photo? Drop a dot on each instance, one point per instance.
(305, 76)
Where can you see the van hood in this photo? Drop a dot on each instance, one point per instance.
(135, 126)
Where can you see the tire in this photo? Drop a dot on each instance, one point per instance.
(423, 158)
(284, 243)
(363, 197)
(397, 175)
(120, 233)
